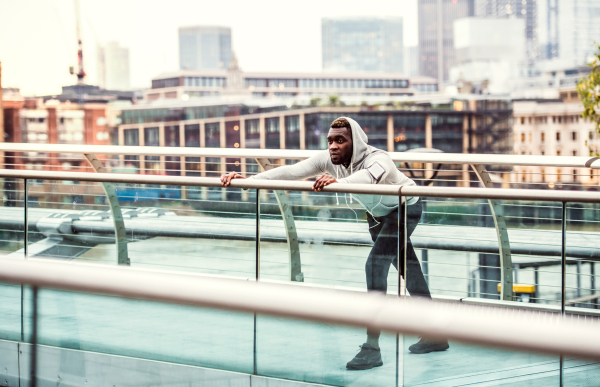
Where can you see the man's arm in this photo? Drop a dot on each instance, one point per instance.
(305, 169)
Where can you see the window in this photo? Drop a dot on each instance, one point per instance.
(557, 136)
(192, 135)
(522, 137)
(574, 136)
(554, 120)
(558, 153)
(558, 174)
(543, 136)
(543, 175)
(151, 137)
(212, 135)
(574, 153)
(272, 133)
(574, 176)
(172, 135)
(522, 120)
(131, 137)
(543, 153)
(591, 135)
(252, 133)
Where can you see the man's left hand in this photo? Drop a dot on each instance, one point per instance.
(322, 181)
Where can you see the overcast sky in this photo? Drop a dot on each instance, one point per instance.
(38, 43)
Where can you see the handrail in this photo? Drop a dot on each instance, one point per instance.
(537, 332)
(367, 189)
(421, 157)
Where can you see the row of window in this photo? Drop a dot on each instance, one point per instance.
(530, 177)
(555, 120)
(316, 83)
(529, 137)
(409, 132)
(204, 81)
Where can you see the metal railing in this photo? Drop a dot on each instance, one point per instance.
(341, 309)
(422, 163)
(525, 331)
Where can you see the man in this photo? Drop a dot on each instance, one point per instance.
(351, 160)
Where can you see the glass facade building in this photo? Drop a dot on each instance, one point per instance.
(436, 37)
(204, 47)
(479, 126)
(362, 44)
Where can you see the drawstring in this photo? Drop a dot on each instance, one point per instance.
(351, 172)
(337, 177)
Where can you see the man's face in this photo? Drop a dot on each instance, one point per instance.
(340, 145)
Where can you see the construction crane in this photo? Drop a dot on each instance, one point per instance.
(80, 71)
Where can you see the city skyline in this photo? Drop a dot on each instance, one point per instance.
(263, 42)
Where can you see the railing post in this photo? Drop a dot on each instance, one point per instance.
(25, 251)
(506, 271)
(34, 331)
(563, 277)
(25, 218)
(290, 228)
(115, 209)
(257, 273)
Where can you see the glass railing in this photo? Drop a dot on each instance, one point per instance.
(309, 239)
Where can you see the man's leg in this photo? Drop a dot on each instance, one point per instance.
(384, 251)
(415, 280)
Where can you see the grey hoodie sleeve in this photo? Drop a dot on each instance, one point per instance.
(305, 169)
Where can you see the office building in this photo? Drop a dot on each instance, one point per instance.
(113, 67)
(411, 61)
(553, 128)
(362, 44)
(469, 125)
(186, 84)
(571, 30)
(489, 53)
(526, 10)
(436, 46)
(204, 47)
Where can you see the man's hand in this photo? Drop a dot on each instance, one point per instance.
(226, 179)
(322, 181)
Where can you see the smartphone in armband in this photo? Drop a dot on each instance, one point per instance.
(376, 170)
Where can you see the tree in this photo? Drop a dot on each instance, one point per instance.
(315, 101)
(334, 100)
(588, 88)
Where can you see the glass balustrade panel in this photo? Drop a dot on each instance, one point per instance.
(456, 242)
(582, 281)
(329, 243)
(208, 230)
(12, 238)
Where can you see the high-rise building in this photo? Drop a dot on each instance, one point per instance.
(578, 30)
(515, 9)
(489, 53)
(411, 61)
(113, 67)
(362, 44)
(436, 45)
(204, 47)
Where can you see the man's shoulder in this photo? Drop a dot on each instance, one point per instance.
(376, 153)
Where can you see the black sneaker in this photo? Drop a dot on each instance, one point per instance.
(367, 358)
(426, 346)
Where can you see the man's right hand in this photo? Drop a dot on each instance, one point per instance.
(226, 179)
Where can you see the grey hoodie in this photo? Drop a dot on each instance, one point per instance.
(363, 156)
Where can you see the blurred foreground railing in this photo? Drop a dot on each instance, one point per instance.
(523, 331)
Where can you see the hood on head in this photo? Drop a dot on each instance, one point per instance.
(359, 142)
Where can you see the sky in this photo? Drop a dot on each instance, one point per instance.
(38, 37)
